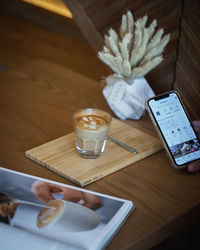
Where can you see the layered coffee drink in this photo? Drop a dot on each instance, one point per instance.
(91, 127)
(65, 216)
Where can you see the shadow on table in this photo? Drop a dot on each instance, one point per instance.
(186, 239)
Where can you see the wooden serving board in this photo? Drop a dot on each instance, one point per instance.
(60, 154)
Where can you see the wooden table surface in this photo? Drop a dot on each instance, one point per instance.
(36, 106)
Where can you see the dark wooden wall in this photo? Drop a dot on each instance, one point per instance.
(187, 81)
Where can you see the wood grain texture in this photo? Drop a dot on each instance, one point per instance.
(187, 69)
(27, 39)
(60, 154)
(37, 101)
(36, 106)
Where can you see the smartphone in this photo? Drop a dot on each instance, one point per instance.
(174, 128)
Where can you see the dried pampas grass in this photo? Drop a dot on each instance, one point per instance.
(136, 50)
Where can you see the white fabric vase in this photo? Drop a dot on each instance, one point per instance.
(127, 99)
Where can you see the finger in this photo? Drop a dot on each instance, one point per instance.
(71, 195)
(196, 125)
(44, 196)
(194, 167)
(55, 188)
(43, 191)
(92, 201)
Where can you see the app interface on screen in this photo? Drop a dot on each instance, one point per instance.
(176, 128)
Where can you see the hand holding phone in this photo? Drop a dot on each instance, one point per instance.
(195, 166)
(175, 128)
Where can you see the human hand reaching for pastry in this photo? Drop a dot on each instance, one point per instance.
(44, 191)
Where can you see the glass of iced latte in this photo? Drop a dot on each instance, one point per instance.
(91, 127)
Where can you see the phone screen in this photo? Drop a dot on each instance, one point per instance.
(176, 128)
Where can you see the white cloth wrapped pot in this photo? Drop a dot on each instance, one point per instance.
(127, 99)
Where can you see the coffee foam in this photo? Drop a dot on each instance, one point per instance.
(91, 121)
(48, 215)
